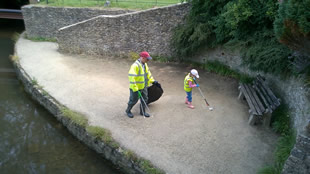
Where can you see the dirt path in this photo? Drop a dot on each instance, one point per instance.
(176, 138)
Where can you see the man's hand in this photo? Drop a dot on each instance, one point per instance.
(157, 84)
(139, 94)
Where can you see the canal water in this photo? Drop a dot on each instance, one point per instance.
(31, 139)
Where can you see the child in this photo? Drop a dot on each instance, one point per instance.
(188, 85)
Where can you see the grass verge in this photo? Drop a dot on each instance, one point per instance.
(222, 69)
(102, 134)
(41, 39)
(281, 125)
(125, 4)
(14, 58)
(75, 116)
(149, 168)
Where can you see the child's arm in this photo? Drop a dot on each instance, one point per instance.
(191, 85)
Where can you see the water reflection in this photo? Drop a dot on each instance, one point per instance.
(31, 139)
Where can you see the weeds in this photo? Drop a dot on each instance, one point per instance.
(281, 120)
(131, 155)
(221, 69)
(281, 125)
(41, 39)
(161, 59)
(14, 58)
(149, 168)
(15, 37)
(74, 116)
(34, 81)
(136, 4)
(133, 55)
(102, 134)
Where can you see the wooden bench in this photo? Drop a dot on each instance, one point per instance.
(261, 100)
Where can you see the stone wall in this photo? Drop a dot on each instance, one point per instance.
(292, 91)
(43, 21)
(299, 160)
(149, 30)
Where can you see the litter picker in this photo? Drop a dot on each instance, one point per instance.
(210, 108)
(140, 96)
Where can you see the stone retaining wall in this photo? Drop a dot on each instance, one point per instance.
(299, 160)
(43, 21)
(128, 164)
(149, 30)
(292, 91)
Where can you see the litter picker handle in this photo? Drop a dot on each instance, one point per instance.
(203, 96)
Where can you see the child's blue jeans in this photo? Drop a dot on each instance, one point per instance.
(189, 96)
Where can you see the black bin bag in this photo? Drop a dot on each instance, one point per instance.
(154, 93)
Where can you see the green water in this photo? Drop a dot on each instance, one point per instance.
(31, 139)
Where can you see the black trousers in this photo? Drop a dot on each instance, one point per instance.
(134, 97)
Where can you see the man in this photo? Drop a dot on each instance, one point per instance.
(140, 78)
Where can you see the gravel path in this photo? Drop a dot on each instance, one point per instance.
(177, 139)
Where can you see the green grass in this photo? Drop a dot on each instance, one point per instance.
(127, 4)
(149, 168)
(75, 117)
(281, 120)
(14, 58)
(161, 59)
(102, 134)
(34, 81)
(131, 155)
(221, 69)
(281, 125)
(283, 150)
(224, 70)
(41, 39)
(15, 37)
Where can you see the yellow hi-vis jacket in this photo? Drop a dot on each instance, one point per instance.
(186, 84)
(136, 76)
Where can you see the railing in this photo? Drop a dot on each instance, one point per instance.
(10, 14)
(111, 3)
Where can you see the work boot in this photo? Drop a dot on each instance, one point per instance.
(142, 110)
(128, 111)
(186, 101)
(190, 105)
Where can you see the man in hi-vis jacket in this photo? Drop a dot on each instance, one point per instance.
(140, 78)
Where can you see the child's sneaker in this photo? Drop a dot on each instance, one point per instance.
(186, 101)
(190, 105)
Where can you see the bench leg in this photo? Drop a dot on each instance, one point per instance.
(240, 94)
(251, 120)
(267, 119)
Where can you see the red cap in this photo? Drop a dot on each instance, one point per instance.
(145, 55)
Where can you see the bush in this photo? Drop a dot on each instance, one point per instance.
(292, 28)
(247, 24)
(281, 120)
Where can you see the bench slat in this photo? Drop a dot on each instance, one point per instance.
(270, 93)
(264, 93)
(259, 105)
(273, 101)
(261, 95)
(248, 88)
(247, 96)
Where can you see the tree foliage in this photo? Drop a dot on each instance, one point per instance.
(246, 23)
(292, 28)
